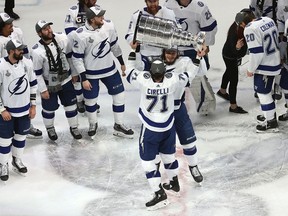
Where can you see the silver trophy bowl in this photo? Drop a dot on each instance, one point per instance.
(164, 33)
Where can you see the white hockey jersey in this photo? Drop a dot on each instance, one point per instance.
(41, 63)
(157, 99)
(264, 8)
(147, 50)
(194, 18)
(75, 18)
(185, 65)
(16, 34)
(93, 50)
(17, 82)
(261, 36)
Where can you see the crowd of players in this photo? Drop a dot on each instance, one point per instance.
(68, 67)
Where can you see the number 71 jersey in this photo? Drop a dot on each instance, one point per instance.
(156, 109)
(261, 36)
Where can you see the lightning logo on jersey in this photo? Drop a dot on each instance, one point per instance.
(18, 86)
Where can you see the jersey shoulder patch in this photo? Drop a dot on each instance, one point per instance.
(147, 75)
(35, 46)
(168, 75)
(79, 30)
(201, 4)
(74, 7)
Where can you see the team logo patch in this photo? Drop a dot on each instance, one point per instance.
(18, 86)
(35, 46)
(79, 30)
(146, 75)
(7, 73)
(168, 75)
(201, 4)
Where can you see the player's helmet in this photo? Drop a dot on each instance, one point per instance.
(245, 15)
(157, 69)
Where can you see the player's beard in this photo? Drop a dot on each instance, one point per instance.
(18, 57)
(47, 37)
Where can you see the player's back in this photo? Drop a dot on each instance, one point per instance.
(261, 36)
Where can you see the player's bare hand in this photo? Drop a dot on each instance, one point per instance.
(6, 115)
(32, 112)
(87, 85)
(249, 74)
(74, 79)
(134, 45)
(45, 95)
(123, 69)
(205, 49)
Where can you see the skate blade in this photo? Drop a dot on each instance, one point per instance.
(19, 173)
(29, 136)
(119, 134)
(158, 205)
(274, 130)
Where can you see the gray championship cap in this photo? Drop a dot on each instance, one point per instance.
(157, 67)
(41, 24)
(5, 18)
(94, 12)
(14, 44)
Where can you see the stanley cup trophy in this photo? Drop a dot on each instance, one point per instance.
(164, 33)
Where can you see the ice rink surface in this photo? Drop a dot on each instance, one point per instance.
(245, 173)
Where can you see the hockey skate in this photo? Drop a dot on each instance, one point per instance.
(196, 174)
(159, 200)
(18, 166)
(34, 133)
(268, 126)
(123, 131)
(52, 133)
(92, 129)
(283, 117)
(75, 133)
(4, 172)
(173, 186)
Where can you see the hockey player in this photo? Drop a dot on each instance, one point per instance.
(95, 47)
(268, 8)
(53, 75)
(18, 86)
(76, 18)
(7, 32)
(157, 136)
(195, 16)
(264, 8)
(183, 124)
(152, 9)
(264, 64)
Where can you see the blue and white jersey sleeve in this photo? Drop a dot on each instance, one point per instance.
(38, 57)
(70, 20)
(282, 15)
(115, 48)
